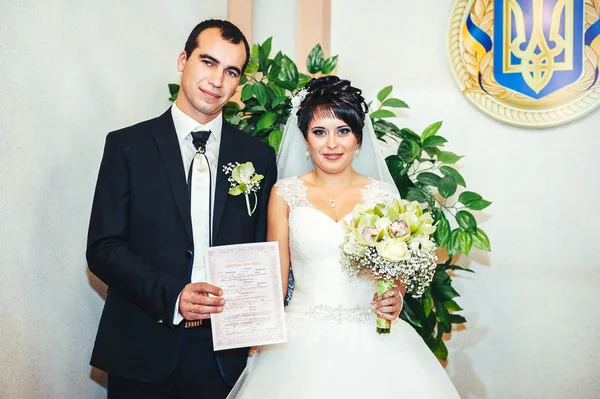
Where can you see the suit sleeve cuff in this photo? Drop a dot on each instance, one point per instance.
(177, 317)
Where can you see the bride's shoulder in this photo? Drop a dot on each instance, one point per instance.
(382, 191)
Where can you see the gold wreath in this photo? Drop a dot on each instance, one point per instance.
(506, 105)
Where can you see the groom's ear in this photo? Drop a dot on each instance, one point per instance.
(181, 60)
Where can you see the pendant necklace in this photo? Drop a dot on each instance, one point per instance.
(332, 197)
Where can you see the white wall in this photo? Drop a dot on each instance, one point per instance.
(532, 316)
(70, 71)
(276, 18)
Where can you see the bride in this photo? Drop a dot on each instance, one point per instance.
(328, 163)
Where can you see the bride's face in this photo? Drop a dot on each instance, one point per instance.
(331, 144)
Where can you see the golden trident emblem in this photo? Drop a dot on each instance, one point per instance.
(538, 59)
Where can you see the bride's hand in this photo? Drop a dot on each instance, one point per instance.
(389, 305)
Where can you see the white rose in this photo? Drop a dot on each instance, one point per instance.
(393, 250)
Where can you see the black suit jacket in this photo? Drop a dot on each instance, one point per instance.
(140, 242)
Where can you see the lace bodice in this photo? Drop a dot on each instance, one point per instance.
(321, 286)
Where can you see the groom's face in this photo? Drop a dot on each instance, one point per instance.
(209, 75)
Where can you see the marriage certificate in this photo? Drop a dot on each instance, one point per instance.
(250, 277)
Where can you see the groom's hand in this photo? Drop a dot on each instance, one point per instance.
(195, 302)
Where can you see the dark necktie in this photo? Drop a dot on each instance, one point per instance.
(199, 139)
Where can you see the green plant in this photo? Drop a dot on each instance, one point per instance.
(421, 168)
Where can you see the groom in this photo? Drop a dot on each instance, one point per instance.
(161, 200)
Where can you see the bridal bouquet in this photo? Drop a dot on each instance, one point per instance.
(391, 242)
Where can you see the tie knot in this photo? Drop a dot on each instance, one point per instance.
(200, 138)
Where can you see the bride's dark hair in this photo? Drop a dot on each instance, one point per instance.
(330, 96)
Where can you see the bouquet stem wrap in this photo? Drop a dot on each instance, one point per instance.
(384, 326)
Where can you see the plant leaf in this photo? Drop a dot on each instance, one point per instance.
(453, 247)
(455, 267)
(260, 91)
(447, 186)
(428, 178)
(433, 141)
(394, 103)
(278, 100)
(173, 88)
(481, 240)
(456, 319)
(416, 194)
(442, 232)
(383, 113)
(448, 157)
(315, 60)
(275, 139)
(447, 170)
(478, 205)
(384, 93)
(439, 349)
(452, 306)
(431, 130)
(466, 221)
(247, 92)
(329, 65)
(465, 240)
(266, 46)
(266, 120)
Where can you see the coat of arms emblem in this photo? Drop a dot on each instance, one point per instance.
(530, 63)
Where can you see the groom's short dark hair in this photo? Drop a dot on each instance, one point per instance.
(229, 32)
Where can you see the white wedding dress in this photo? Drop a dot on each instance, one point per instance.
(333, 350)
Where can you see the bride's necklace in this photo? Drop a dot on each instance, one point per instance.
(332, 197)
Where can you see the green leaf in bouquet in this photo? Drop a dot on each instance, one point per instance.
(275, 139)
(442, 232)
(315, 60)
(260, 91)
(231, 108)
(427, 305)
(383, 113)
(247, 92)
(449, 171)
(431, 130)
(466, 221)
(473, 200)
(479, 205)
(433, 141)
(266, 120)
(448, 157)
(384, 93)
(465, 240)
(394, 103)
(447, 186)
(243, 80)
(481, 240)
(256, 109)
(329, 65)
(428, 178)
(287, 74)
(173, 88)
(252, 66)
(452, 306)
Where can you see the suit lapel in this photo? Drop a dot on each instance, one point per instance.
(166, 140)
(228, 152)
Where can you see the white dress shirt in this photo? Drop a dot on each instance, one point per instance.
(184, 125)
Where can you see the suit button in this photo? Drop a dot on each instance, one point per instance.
(189, 253)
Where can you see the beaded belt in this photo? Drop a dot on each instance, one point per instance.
(339, 314)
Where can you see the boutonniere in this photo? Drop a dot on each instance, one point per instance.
(243, 180)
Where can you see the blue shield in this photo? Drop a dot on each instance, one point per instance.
(538, 44)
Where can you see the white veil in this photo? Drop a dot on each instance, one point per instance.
(291, 159)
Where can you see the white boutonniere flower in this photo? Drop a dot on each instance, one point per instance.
(243, 180)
